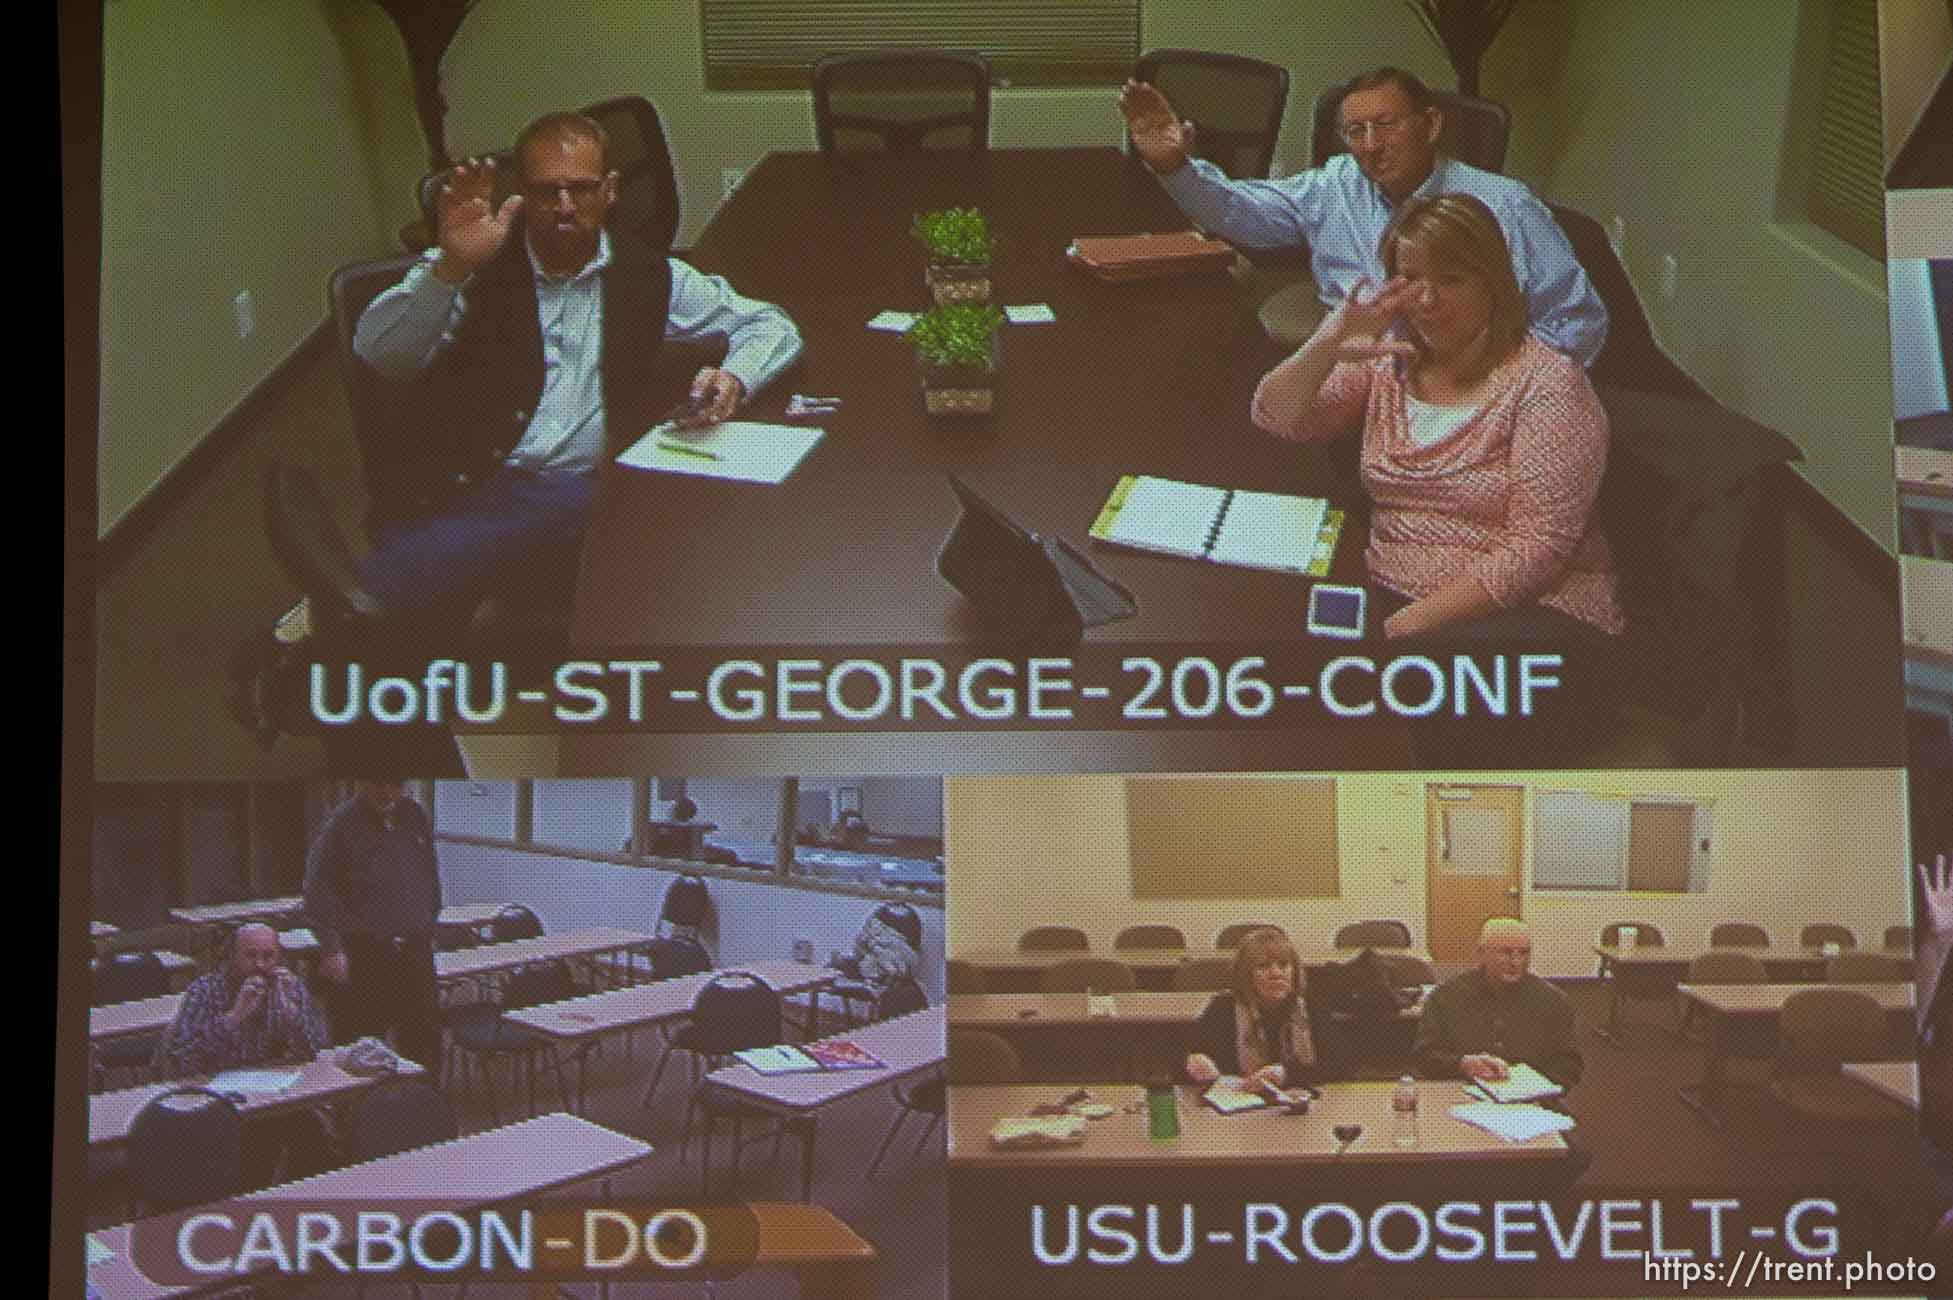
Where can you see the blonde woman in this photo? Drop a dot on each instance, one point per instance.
(1261, 1029)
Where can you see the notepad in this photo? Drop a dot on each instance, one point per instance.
(1035, 313)
(254, 1082)
(1253, 530)
(1522, 1083)
(738, 449)
(1227, 1095)
(891, 322)
(784, 1059)
(1038, 1131)
(1520, 1123)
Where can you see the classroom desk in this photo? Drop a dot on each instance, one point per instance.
(489, 1168)
(1010, 970)
(478, 917)
(179, 968)
(1147, 378)
(1659, 971)
(580, 1022)
(1926, 501)
(493, 958)
(118, 1019)
(249, 909)
(319, 1080)
(1734, 1008)
(907, 1045)
(1898, 1080)
(1927, 605)
(1144, 1029)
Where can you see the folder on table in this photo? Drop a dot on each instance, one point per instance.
(1253, 530)
(1117, 259)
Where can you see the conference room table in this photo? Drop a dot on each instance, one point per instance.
(320, 1080)
(141, 1016)
(1010, 970)
(1140, 378)
(578, 1023)
(1739, 1012)
(493, 1167)
(1652, 972)
(1072, 1035)
(907, 1046)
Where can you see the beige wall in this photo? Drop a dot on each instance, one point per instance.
(1915, 42)
(1790, 848)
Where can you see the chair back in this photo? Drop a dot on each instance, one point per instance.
(1819, 933)
(640, 154)
(515, 922)
(902, 996)
(1231, 936)
(1631, 358)
(904, 920)
(1475, 130)
(1150, 936)
(427, 190)
(962, 977)
(394, 469)
(687, 900)
(1098, 974)
(1822, 1028)
(1738, 934)
(1407, 970)
(186, 1147)
(1374, 934)
(129, 976)
(903, 101)
(671, 958)
(735, 1010)
(1865, 968)
(979, 1056)
(1204, 975)
(1898, 938)
(400, 1115)
(1645, 935)
(455, 938)
(1045, 938)
(532, 986)
(1235, 103)
(1727, 968)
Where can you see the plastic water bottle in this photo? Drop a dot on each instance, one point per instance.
(1162, 1111)
(1403, 1105)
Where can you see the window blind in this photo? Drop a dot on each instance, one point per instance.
(1847, 193)
(772, 44)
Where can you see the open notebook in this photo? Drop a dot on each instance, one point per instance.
(1254, 530)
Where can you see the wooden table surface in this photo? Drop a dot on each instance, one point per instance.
(1898, 1080)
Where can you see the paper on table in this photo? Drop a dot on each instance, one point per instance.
(784, 1059)
(1514, 1123)
(894, 322)
(1522, 1083)
(254, 1082)
(1227, 1095)
(298, 937)
(1266, 530)
(738, 449)
(1101, 1006)
(1038, 1131)
(1035, 313)
(1165, 515)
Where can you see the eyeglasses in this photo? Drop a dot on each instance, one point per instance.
(582, 193)
(1359, 132)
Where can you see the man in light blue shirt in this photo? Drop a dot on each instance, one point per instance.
(1390, 122)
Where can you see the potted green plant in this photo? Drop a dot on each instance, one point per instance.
(959, 244)
(958, 350)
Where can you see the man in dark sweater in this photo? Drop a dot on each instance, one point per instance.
(1487, 1020)
(373, 894)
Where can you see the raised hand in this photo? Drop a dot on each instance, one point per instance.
(1359, 322)
(1936, 885)
(250, 997)
(472, 229)
(1161, 139)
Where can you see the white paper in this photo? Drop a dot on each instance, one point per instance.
(1266, 530)
(1101, 1006)
(256, 1083)
(1035, 313)
(1164, 515)
(738, 449)
(297, 940)
(785, 1059)
(1519, 1123)
(1522, 1083)
(1227, 1095)
(1038, 1130)
(894, 322)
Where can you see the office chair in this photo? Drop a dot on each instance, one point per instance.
(962, 977)
(1866, 968)
(1374, 934)
(975, 1056)
(1818, 1030)
(492, 1037)
(1204, 975)
(902, 100)
(1045, 938)
(1149, 936)
(1723, 967)
(1898, 938)
(514, 922)
(1235, 103)
(687, 901)
(128, 977)
(1738, 934)
(850, 993)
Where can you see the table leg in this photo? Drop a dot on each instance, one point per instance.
(1705, 1098)
(807, 1159)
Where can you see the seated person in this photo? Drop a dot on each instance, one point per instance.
(252, 1011)
(527, 363)
(1263, 1029)
(888, 948)
(1391, 122)
(1482, 447)
(1482, 1023)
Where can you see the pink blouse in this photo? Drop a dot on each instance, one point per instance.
(1507, 498)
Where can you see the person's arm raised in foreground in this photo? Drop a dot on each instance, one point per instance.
(409, 325)
(1320, 390)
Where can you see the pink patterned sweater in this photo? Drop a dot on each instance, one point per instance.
(1508, 498)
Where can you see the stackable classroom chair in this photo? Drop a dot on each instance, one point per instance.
(975, 1056)
(1738, 934)
(1044, 938)
(186, 1147)
(1374, 934)
(1149, 936)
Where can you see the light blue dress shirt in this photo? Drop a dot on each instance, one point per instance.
(409, 325)
(1341, 214)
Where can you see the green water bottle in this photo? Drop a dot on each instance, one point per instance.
(1162, 1111)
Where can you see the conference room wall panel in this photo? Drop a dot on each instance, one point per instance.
(750, 920)
(1790, 848)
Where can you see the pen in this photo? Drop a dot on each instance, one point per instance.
(687, 451)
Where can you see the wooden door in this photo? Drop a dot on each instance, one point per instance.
(1474, 840)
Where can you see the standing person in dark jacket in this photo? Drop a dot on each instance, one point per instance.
(1482, 1023)
(373, 894)
(1262, 1029)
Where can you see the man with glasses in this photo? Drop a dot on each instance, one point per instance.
(1390, 121)
(522, 365)
(1497, 1015)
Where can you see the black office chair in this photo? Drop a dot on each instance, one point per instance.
(399, 1115)
(1044, 938)
(514, 922)
(1475, 131)
(128, 977)
(903, 101)
(1374, 934)
(735, 1011)
(687, 902)
(490, 1037)
(640, 154)
(186, 1147)
(975, 1056)
(1235, 103)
